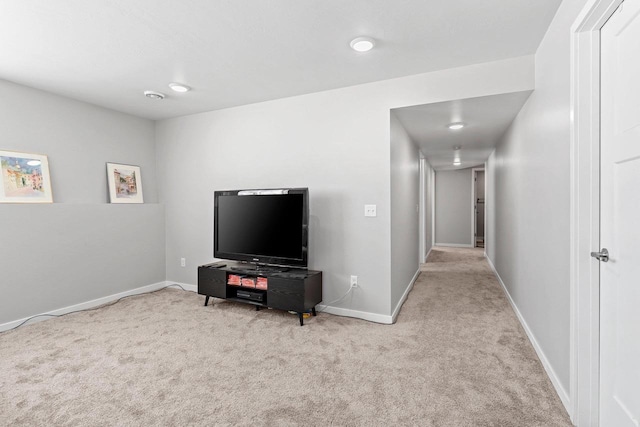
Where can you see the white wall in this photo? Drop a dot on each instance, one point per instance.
(334, 142)
(405, 199)
(79, 248)
(530, 246)
(490, 206)
(480, 207)
(453, 208)
(79, 139)
(426, 213)
(430, 197)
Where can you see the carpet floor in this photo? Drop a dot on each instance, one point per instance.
(456, 356)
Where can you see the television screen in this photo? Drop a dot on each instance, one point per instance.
(262, 226)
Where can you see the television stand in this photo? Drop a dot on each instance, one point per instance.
(290, 289)
(259, 268)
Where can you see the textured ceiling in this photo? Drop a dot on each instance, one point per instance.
(107, 52)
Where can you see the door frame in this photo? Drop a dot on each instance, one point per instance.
(422, 240)
(584, 278)
(426, 209)
(474, 232)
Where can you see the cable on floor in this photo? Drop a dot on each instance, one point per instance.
(95, 308)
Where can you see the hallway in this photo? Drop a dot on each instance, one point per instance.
(488, 365)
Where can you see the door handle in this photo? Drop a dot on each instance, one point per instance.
(603, 255)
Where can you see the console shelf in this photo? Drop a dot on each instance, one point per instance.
(290, 289)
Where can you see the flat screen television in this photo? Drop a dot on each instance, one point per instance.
(262, 227)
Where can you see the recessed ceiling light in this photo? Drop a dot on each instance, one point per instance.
(456, 155)
(179, 87)
(362, 44)
(456, 126)
(154, 95)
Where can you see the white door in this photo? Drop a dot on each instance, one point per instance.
(620, 219)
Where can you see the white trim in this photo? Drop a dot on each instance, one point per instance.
(394, 315)
(364, 315)
(454, 245)
(486, 208)
(584, 210)
(474, 230)
(427, 205)
(84, 305)
(562, 393)
(422, 213)
(432, 185)
(426, 257)
(473, 207)
(187, 287)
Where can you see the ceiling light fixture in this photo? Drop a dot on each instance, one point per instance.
(362, 44)
(456, 156)
(179, 87)
(456, 126)
(154, 95)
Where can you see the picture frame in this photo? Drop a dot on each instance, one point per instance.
(24, 178)
(125, 183)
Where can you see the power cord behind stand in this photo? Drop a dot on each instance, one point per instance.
(335, 301)
(95, 308)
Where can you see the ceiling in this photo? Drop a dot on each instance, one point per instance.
(486, 119)
(107, 52)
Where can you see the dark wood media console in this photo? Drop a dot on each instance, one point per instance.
(293, 289)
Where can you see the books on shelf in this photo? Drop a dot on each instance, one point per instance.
(261, 283)
(247, 281)
(234, 279)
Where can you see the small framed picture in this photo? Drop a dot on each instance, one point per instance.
(125, 183)
(24, 178)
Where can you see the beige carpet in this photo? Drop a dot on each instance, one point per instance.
(456, 357)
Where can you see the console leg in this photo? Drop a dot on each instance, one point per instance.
(313, 311)
(300, 317)
(206, 300)
(257, 308)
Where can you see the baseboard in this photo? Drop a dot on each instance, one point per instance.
(454, 245)
(562, 393)
(426, 257)
(364, 315)
(84, 305)
(185, 286)
(394, 316)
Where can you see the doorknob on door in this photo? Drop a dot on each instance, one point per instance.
(603, 255)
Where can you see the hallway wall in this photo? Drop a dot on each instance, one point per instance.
(490, 197)
(453, 208)
(405, 192)
(479, 200)
(528, 224)
(428, 193)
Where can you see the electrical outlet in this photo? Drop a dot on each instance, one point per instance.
(370, 210)
(183, 262)
(354, 281)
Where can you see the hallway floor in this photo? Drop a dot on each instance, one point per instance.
(489, 369)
